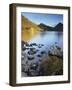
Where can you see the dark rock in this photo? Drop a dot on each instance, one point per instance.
(32, 51)
(33, 44)
(26, 62)
(42, 45)
(27, 45)
(39, 46)
(37, 50)
(30, 58)
(23, 68)
(22, 44)
(39, 55)
(55, 42)
(33, 70)
(32, 73)
(22, 58)
(43, 52)
(55, 51)
(40, 60)
(34, 66)
(24, 48)
(58, 47)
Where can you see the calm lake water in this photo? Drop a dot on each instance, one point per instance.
(47, 38)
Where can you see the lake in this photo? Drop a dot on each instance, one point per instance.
(47, 39)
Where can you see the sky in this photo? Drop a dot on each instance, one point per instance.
(48, 19)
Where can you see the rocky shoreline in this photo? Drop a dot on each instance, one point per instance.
(51, 65)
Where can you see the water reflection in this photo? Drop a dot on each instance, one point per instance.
(48, 38)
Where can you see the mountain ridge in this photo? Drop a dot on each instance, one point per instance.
(27, 25)
(58, 27)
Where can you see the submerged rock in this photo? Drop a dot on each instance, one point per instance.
(33, 44)
(30, 58)
(39, 46)
(39, 55)
(24, 48)
(43, 52)
(32, 51)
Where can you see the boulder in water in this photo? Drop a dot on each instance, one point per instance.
(30, 58)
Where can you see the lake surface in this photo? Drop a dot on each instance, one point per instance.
(46, 39)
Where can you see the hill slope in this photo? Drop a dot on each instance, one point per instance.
(27, 24)
(29, 29)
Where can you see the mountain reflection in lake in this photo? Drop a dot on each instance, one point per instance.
(48, 38)
(37, 49)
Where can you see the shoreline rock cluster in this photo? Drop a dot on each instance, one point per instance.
(52, 65)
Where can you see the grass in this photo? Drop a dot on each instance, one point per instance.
(52, 66)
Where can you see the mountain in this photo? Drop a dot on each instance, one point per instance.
(27, 24)
(58, 27)
(45, 27)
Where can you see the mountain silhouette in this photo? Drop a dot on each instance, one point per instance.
(58, 27)
(45, 27)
